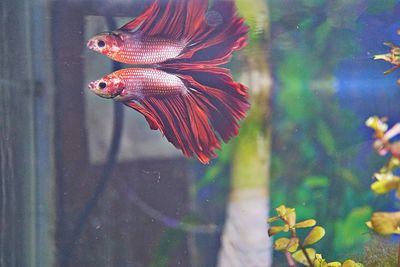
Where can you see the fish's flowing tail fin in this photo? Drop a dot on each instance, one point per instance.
(212, 41)
(223, 100)
(211, 35)
(196, 121)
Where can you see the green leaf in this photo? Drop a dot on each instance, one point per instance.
(273, 219)
(300, 257)
(385, 186)
(255, 13)
(293, 244)
(305, 224)
(281, 243)
(334, 264)
(319, 261)
(322, 33)
(385, 223)
(316, 181)
(326, 138)
(314, 236)
(284, 243)
(348, 233)
(277, 229)
(351, 263)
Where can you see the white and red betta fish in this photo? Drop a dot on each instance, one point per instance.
(184, 94)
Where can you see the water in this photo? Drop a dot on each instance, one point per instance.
(85, 182)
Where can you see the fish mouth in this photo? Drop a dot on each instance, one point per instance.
(91, 44)
(92, 86)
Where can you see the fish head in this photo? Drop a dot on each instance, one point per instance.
(107, 43)
(108, 86)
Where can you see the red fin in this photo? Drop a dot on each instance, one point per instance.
(142, 18)
(185, 125)
(220, 33)
(149, 117)
(210, 35)
(173, 19)
(224, 101)
(213, 103)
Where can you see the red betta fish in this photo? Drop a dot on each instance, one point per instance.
(193, 108)
(175, 31)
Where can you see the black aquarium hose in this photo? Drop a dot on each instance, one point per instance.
(107, 170)
(108, 167)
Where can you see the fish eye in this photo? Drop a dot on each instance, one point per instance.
(101, 43)
(102, 85)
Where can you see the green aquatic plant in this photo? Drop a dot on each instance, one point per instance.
(296, 249)
(315, 137)
(392, 57)
(386, 223)
(386, 180)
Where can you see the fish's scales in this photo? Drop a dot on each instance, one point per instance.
(142, 82)
(139, 49)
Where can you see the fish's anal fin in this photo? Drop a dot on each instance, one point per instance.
(207, 113)
(185, 124)
(154, 125)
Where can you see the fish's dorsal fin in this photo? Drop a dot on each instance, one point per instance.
(212, 42)
(135, 24)
(209, 35)
(173, 19)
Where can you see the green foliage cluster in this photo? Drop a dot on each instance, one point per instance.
(314, 138)
(294, 247)
(386, 223)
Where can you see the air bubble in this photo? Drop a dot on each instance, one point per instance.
(213, 18)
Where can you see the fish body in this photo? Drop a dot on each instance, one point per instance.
(137, 84)
(136, 48)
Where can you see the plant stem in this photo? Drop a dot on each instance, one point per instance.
(294, 235)
(307, 256)
(290, 260)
